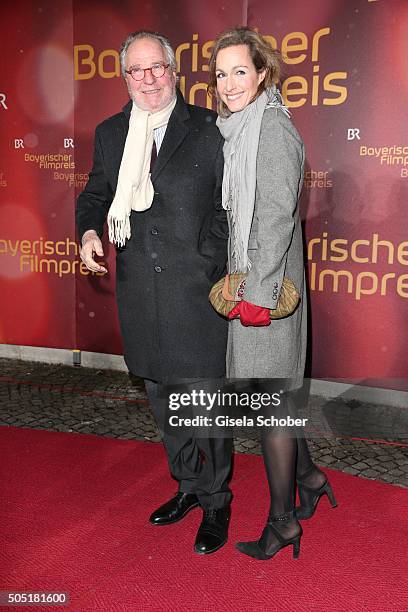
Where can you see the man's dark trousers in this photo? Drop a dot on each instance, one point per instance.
(201, 465)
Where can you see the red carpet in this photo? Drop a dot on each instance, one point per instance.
(74, 514)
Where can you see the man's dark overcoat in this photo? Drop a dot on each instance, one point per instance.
(177, 250)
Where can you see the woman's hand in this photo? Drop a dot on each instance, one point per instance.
(250, 315)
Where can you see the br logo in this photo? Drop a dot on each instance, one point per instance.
(353, 133)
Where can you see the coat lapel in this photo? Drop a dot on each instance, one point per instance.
(177, 130)
(118, 142)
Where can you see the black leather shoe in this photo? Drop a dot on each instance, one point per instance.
(213, 531)
(175, 509)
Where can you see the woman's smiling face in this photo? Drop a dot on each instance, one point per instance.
(237, 78)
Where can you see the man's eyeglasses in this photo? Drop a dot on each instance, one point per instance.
(157, 70)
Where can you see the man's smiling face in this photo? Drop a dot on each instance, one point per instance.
(151, 93)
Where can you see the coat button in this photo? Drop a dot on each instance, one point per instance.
(157, 269)
(154, 231)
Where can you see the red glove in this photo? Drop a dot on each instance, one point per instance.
(250, 314)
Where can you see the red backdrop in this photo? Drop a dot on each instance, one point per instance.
(345, 67)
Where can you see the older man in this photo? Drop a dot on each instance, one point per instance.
(156, 177)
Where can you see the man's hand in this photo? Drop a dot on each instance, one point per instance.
(91, 244)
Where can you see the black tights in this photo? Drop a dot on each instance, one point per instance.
(287, 459)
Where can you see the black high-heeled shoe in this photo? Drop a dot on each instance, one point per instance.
(309, 499)
(259, 550)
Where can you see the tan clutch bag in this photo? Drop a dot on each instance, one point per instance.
(222, 296)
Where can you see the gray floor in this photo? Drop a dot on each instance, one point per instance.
(362, 439)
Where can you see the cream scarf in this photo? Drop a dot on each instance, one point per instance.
(134, 190)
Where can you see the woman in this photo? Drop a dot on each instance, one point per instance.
(263, 175)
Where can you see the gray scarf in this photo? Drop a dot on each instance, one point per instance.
(241, 133)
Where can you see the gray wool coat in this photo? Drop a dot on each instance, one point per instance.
(276, 250)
